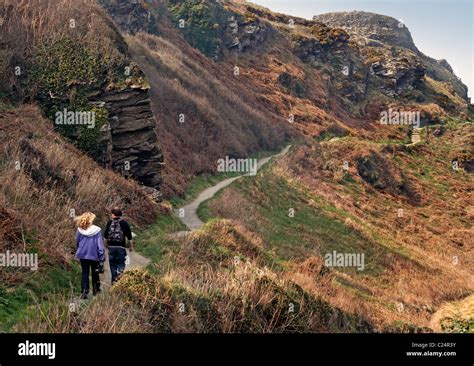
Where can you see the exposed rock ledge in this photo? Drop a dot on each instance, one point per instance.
(132, 144)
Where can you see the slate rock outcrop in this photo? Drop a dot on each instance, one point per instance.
(132, 144)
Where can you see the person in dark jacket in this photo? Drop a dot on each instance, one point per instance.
(90, 252)
(117, 232)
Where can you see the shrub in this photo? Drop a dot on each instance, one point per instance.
(457, 325)
(292, 85)
(203, 20)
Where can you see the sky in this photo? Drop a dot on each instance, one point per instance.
(440, 28)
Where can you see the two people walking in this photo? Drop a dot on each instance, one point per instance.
(91, 252)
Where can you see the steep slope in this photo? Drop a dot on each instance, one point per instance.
(204, 110)
(71, 59)
(383, 35)
(404, 208)
(358, 188)
(207, 79)
(244, 77)
(44, 183)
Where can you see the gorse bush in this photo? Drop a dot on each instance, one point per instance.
(74, 51)
(457, 325)
(65, 73)
(65, 64)
(203, 23)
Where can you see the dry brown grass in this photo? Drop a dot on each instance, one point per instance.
(206, 289)
(429, 232)
(106, 314)
(55, 178)
(32, 24)
(223, 114)
(433, 231)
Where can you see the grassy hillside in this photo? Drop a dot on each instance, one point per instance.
(204, 112)
(234, 80)
(419, 260)
(219, 279)
(44, 183)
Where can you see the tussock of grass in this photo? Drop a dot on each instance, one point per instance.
(252, 300)
(455, 317)
(108, 313)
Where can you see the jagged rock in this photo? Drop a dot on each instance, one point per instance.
(373, 27)
(132, 145)
(400, 64)
(292, 85)
(387, 48)
(329, 49)
(153, 193)
(243, 35)
(394, 76)
(444, 63)
(309, 50)
(131, 16)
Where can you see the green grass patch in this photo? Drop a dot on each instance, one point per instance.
(201, 24)
(153, 242)
(199, 184)
(316, 227)
(202, 182)
(204, 211)
(15, 301)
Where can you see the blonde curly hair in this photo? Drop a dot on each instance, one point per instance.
(85, 220)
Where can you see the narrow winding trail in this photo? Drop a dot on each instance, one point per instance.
(190, 217)
(134, 261)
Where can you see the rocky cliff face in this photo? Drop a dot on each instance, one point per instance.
(329, 49)
(245, 34)
(129, 133)
(89, 70)
(357, 62)
(371, 28)
(132, 146)
(389, 50)
(131, 16)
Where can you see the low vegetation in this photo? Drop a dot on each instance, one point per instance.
(309, 204)
(259, 264)
(44, 183)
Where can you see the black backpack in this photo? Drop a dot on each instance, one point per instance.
(115, 232)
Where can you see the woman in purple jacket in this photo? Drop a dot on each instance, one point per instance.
(90, 251)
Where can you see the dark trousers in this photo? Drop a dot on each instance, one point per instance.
(117, 261)
(93, 267)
